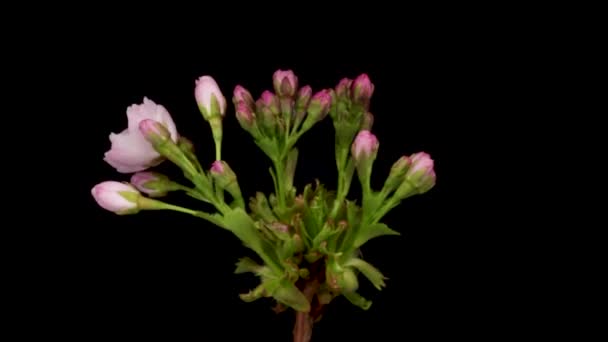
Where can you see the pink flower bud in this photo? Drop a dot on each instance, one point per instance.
(217, 167)
(362, 90)
(151, 183)
(210, 100)
(303, 98)
(365, 146)
(117, 197)
(130, 151)
(270, 102)
(367, 122)
(154, 131)
(319, 106)
(343, 88)
(285, 83)
(422, 173)
(242, 95)
(244, 115)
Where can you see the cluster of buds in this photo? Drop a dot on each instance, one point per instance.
(350, 108)
(286, 111)
(308, 238)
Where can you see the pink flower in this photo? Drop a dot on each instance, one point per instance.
(285, 83)
(365, 145)
(206, 88)
(130, 151)
(112, 196)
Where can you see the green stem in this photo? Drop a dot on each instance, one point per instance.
(342, 155)
(213, 219)
(218, 150)
(279, 167)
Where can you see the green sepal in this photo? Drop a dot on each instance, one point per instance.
(368, 232)
(358, 300)
(288, 294)
(369, 271)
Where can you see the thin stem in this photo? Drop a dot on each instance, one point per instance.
(197, 213)
(342, 155)
(218, 150)
(280, 173)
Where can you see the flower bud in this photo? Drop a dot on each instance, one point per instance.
(421, 174)
(367, 122)
(397, 174)
(210, 100)
(155, 132)
(222, 173)
(343, 88)
(242, 95)
(362, 90)
(285, 83)
(117, 197)
(185, 145)
(365, 147)
(245, 116)
(348, 280)
(301, 105)
(270, 101)
(225, 178)
(267, 120)
(152, 183)
(319, 104)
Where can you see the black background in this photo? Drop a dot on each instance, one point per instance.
(166, 274)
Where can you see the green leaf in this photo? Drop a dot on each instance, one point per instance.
(369, 232)
(245, 265)
(288, 294)
(369, 271)
(254, 294)
(358, 300)
(243, 227)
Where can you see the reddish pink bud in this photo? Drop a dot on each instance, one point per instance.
(362, 89)
(242, 95)
(343, 88)
(285, 83)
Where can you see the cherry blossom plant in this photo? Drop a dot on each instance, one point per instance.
(307, 241)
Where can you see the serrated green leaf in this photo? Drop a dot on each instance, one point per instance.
(245, 265)
(358, 300)
(243, 227)
(369, 271)
(369, 232)
(254, 294)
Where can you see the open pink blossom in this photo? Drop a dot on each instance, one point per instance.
(130, 151)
